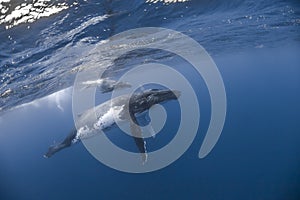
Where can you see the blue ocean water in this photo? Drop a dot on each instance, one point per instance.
(255, 45)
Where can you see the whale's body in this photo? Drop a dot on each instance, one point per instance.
(107, 114)
(119, 109)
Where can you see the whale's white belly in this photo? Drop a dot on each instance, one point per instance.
(106, 120)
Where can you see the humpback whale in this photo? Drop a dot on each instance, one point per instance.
(116, 109)
(105, 84)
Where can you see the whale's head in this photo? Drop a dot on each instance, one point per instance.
(143, 101)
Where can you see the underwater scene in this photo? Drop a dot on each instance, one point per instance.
(149, 99)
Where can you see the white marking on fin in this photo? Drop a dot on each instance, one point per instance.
(146, 154)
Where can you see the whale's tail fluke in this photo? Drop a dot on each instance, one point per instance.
(66, 143)
(53, 149)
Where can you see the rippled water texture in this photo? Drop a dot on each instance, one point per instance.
(44, 43)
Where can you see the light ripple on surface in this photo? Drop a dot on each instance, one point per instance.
(28, 12)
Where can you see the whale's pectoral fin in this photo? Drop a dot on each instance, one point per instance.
(144, 120)
(139, 141)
